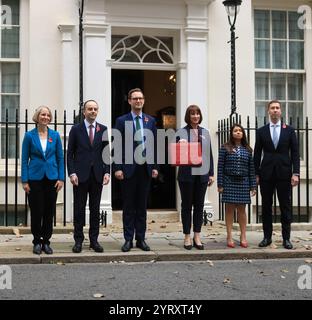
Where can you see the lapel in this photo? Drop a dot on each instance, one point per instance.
(268, 134)
(97, 131)
(84, 133)
(48, 142)
(282, 134)
(37, 141)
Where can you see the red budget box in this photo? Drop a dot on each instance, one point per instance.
(185, 154)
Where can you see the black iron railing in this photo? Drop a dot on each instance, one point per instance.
(301, 198)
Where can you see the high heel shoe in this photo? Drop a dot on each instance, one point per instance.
(244, 244)
(198, 246)
(231, 244)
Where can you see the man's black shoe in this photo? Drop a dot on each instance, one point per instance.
(96, 247)
(77, 247)
(47, 249)
(287, 244)
(37, 249)
(265, 242)
(142, 245)
(127, 246)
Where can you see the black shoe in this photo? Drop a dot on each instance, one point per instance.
(96, 247)
(127, 246)
(265, 242)
(287, 244)
(142, 245)
(188, 246)
(47, 249)
(37, 249)
(77, 247)
(198, 246)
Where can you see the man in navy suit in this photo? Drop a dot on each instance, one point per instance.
(88, 173)
(136, 176)
(277, 166)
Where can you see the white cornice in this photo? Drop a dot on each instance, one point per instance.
(95, 29)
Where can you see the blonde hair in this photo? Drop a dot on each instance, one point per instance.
(37, 112)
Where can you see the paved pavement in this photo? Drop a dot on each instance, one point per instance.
(165, 240)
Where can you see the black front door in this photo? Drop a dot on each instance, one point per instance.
(162, 194)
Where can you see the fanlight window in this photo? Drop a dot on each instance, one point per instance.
(142, 49)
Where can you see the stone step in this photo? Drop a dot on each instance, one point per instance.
(153, 215)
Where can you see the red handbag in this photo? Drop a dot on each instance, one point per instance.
(185, 154)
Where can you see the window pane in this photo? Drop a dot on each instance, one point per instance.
(295, 87)
(279, 55)
(295, 111)
(294, 31)
(10, 80)
(279, 25)
(296, 55)
(14, 5)
(262, 24)
(261, 112)
(278, 86)
(10, 43)
(11, 143)
(262, 86)
(262, 54)
(11, 103)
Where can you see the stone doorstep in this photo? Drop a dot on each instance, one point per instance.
(159, 216)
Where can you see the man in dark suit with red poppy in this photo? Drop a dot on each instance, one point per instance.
(88, 173)
(277, 167)
(135, 176)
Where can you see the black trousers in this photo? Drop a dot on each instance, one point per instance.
(94, 189)
(283, 189)
(192, 195)
(134, 194)
(42, 203)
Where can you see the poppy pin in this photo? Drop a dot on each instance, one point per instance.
(284, 126)
(98, 128)
(145, 119)
(50, 140)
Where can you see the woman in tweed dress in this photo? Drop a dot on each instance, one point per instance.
(236, 180)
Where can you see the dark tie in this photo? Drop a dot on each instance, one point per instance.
(91, 137)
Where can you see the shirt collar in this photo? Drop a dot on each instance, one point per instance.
(134, 115)
(87, 124)
(278, 124)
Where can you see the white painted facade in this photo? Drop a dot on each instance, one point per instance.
(50, 67)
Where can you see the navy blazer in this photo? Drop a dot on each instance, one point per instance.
(284, 159)
(185, 172)
(82, 156)
(128, 169)
(36, 165)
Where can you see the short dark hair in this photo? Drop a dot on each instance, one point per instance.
(134, 90)
(273, 101)
(187, 117)
(85, 103)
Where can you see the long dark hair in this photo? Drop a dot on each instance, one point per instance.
(230, 144)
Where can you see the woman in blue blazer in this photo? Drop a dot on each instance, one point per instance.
(42, 177)
(193, 180)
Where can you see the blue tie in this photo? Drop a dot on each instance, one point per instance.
(275, 135)
(140, 142)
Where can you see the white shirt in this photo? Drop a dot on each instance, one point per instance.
(44, 145)
(278, 129)
(87, 124)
